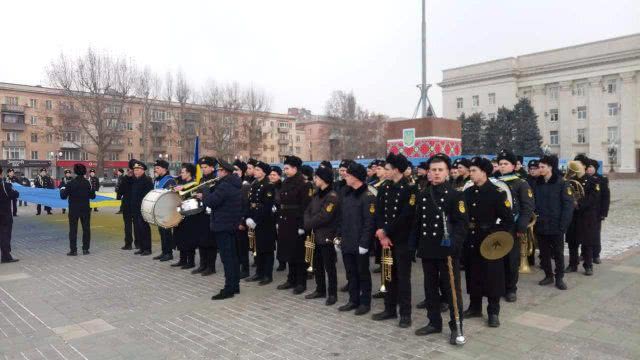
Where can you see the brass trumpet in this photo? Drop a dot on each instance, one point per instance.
(527, 244)
(252, 240)
(386, 263)
(309, 249)
(191, 187)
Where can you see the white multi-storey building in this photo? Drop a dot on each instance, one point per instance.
(587, 97)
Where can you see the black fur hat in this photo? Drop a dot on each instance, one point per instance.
(325, 174)
(483, 164)
(399, 161)
(440, 157)
(358, 171)
(79, 169)
(508, 155)
(293, 160)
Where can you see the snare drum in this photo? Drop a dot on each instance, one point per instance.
(190, 207)
(159, 207)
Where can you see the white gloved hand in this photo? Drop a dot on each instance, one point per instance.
(250, 223)
(300, 232)
(362, 250)
(337, 247)
(274, 209)
(276, 227)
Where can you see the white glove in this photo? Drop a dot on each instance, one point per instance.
(300, 232)
(62, 188)
(276, 227)
(362, 250)
(274, 209)
(250, 223)
(337, 247)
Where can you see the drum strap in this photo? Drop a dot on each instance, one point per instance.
(160, 183)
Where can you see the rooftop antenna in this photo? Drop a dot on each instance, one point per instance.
(424, 102)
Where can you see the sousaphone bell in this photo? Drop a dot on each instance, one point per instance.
(496, 245)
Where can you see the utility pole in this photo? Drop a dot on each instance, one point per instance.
(424, 102)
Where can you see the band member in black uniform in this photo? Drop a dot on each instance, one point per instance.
(395, 210)
(489, 211)
(554, 207)
(441, 229)
(12, 178)
(603, 206)
(79, 191)
(382, 186)
(519, 167)
(275, 178)
(7, 195)
(124, 194)
(64, 181)
(522, 208)
(43, 181)
(582, 231)
(356, 226)
(140, 186)
(422, 181)
(261, 219)
(24, 181)
(496, 168)
(95, 183)
(248, 176)
(206, 243)
(225, 201)
(533, 169)
(320, 218)
(372, 178)
(340, 185)
(295, 195)
(453, 173)
(119, 181)
(307, 171)
(463, 173)
(186, 234)
(242, 238)
(164, 180)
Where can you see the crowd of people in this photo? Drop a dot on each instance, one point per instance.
(440, 213)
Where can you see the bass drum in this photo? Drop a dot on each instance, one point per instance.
(159, 207)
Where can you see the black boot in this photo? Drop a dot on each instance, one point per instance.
(384, 315)
(182, 261)
(244, 272)
(428, 330)
(190, 262)
(203, 262)
(494, 320)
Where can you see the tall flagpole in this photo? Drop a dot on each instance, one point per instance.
(423, 88)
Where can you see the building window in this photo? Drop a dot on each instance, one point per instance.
(492, 116)
(582, 136)
(553, 115)
(297, 149)
(11, 100)
(129, 156)
(492, 98)
(130, 126)
(459, 103)
(34, 155)
(613, 109)
(48, 104)
(49, 138)
(475, 100)
(13, 136)
(34, 120)
(71, 136)
(582, 112)
(553, 138)
(84, 156)
(611, 86)
(612, 134)
(114, 156)
(581, 90)
(129, 142)
(34, 137)
(553, 93)
(33, 103)
(13, 153)
(49, 121)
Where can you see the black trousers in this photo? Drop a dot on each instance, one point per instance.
(359, 278)
(597, 247)
(324, 262)
(437, 279)
(492, 308)
(5, 239)
(511, 266)
(39, 209)
(587, 254)
(264, 264)
(226, 241)
(14, 203)
(85, 221)
(399, 289)
(166, 241)
(128, 229)
(208, 251)
(242, 247)
(551, 246)
(142, 232)
(297, 273)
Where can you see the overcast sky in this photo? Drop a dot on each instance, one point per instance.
(301, 50)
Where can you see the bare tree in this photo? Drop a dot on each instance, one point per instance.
(217, 125)
(186, 123)
(256, 103)
(147, 90)
(97, 87)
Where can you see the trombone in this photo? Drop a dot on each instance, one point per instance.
(309, 249)
(386, 262)
(252, 240)
(188, 189)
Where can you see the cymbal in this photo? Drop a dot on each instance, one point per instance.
(496, 245)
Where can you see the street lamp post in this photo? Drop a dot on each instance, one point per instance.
(56, 156)
(612, 151)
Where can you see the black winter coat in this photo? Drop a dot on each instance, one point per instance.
(605, 195)
(583, 228)
(95, 183)
(395, 211)
(434, 205)
(295, 195)
(225, 201)
(261, 200)
(554, 205)
(79, 191)
(356, 221)
(140, 187)
(321, 216)
(7, 194)
(124, 193)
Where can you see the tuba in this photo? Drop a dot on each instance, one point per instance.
(309, 249)
(575, 170)
(527, 246)
(251, 233)
(386, 262)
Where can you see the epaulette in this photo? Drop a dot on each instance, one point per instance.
(509, 177)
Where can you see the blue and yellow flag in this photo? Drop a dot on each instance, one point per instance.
(196, 156)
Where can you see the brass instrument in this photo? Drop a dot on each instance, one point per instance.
(527, 245)
(309, 249)
(575, 170)
(188, 192)
(386, 263)
(252, 240)
(496, 245)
